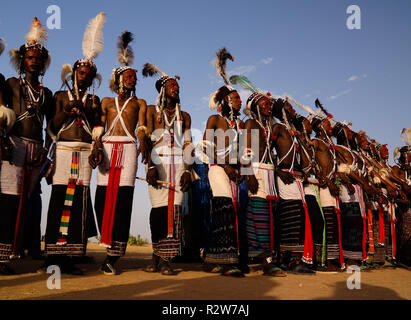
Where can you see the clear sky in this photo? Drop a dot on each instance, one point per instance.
(298, 48)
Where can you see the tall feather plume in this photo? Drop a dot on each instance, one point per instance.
(305, 108)
(93, 37)
(406, 136)
(3, 45)
(37, 33)
(221, 61)
(125, 53)
(150, 70)
(66, 72)
(319, 105)
(396, 151)
(15, 59)
(244, 82)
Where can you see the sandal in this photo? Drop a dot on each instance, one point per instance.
(364, 267)
(389, 264)
(166, 269)
(212, 268)
(274, 272)
(232, 272)
(153, 267)
(301, 268)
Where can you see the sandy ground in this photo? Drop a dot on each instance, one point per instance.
(193, 284)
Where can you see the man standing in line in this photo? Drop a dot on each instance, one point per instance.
(169, 170)
(223, 131)
(76, 128)
(31, 103)
(117, 173)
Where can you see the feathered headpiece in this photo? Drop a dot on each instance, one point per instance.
(310, 111)
(255, 96)
(35, 39)
(150, 70)
(93, 42)
(406, 136)
(92, 46)
(125, 53)
(324, 114)
(3, 45)
(396, 151)
(403, 150)
(221, 61)
(125, 57)
(321, 107)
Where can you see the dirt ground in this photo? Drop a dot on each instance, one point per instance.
(192, 283)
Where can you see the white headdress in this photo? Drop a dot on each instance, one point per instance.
(92, 46)
(35, 39)
(150, 70)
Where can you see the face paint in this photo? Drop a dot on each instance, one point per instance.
(33, 62)
(234, 100)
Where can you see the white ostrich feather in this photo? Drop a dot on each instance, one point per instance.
(37, 33)
(93, 37)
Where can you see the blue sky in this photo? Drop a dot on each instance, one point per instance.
(299, 48)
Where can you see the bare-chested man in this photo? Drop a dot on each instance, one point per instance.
(295, 235)
(325, 156)
(221, 141)
(31, 103)
(7, 115)
(76, 128)
(169, 170)
(261, 208)
(403, 171)
(311, 190)
(117, 173)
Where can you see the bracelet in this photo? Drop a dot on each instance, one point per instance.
(186, 170)
(152, 167)
(143, 129)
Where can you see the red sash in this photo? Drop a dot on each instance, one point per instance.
(338, 212)
(19, 227)
(381, 236)
(111, 193)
